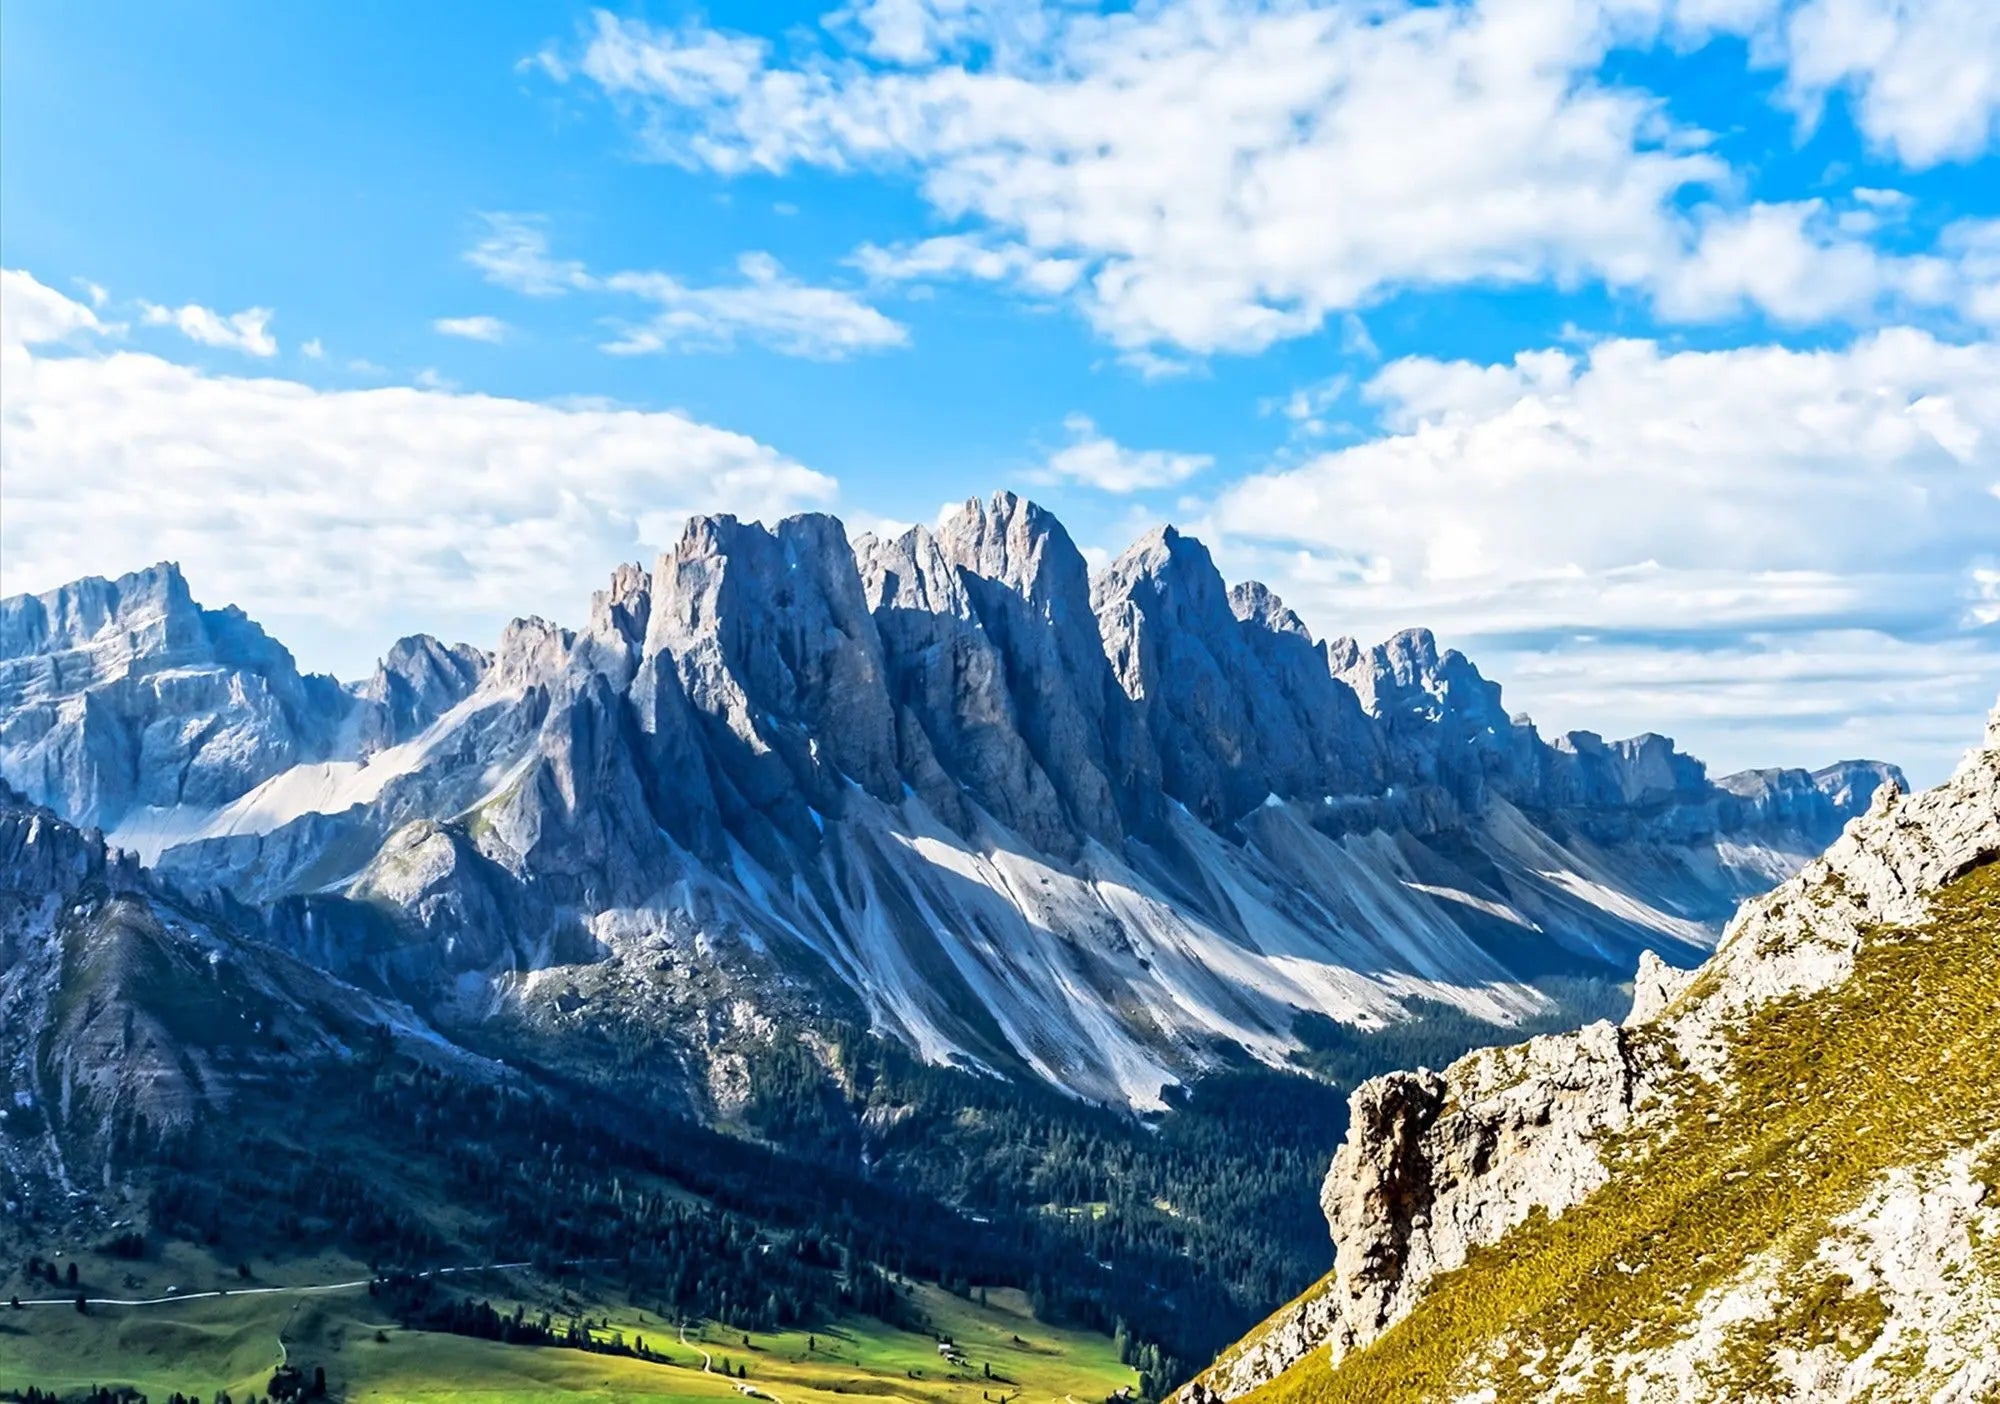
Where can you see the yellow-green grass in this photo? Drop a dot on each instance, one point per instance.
(226, 1343)
(1897, 1066)
(233, 1343)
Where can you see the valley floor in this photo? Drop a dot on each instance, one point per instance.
(201, 1345)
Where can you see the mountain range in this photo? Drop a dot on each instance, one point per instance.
(1108, 832)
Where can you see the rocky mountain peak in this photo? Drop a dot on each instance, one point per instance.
(418, 680)
(122, 693)
(531, 652)
(1253, 602)
(775, 643)
(93, 630)
(1017, 544)
(623, 609)
(1093, 831)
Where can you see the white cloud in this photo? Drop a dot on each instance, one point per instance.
(768, 306)
(314, 349)
(1984, 608)
(245, 331)
(1975, 245)
(908, 31)
(1875, 457)
(1217, 175)
(96, 292)
(1769, 699)
(916, 31)
(514, 253)
(1699, 510)
(1923, 76)
(964, 256)
(345, 517)
(1797, 263)
(33, 313)
(481, 328)
(1096, 460)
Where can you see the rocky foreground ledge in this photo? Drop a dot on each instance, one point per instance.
(1776, 1179)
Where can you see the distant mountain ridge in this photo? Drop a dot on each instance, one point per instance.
(1106, 832)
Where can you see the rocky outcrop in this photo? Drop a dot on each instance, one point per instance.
(1030, 590)
(1437, 1166)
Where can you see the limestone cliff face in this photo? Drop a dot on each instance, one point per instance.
(1507, 1142)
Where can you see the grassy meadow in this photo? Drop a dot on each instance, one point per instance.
(233, 1343)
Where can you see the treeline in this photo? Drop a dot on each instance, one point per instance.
(286, 1384)
(1439, 1034)
(1184, 1228)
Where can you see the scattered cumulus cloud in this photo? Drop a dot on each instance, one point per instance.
(1720, 525)
(246, 331)
(313, 349)
(766, 306)
(481, 328)
(1922, 77)
(32, 313)
(513, 253)
(964, 256)
(1799, 264)
(1975, 244)
(1881, 456)
(1094, 459)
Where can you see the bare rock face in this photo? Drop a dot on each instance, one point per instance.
(1412, 1189)
(1442, 722)
(958, 731)
(778, 653)
(1030, 590)
(1226, 732)
(1437, 1165)
(418, 681)
(123, 693)
(1346, 754)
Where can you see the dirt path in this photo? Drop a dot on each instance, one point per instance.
(707, 1360)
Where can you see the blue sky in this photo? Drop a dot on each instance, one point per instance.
(1643, 348)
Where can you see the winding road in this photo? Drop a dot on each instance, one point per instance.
(255, 1291)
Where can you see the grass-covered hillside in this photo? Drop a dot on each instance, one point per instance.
(1821, 1222)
